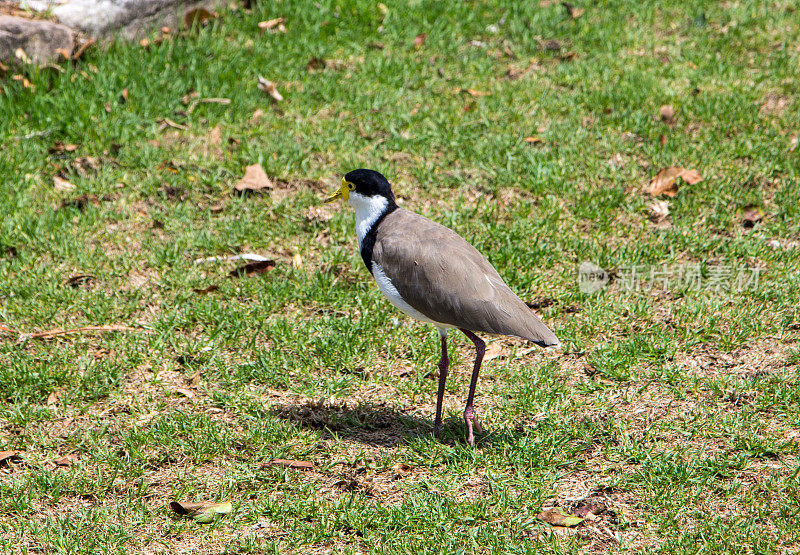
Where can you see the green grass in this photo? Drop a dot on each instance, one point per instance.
(678, 407)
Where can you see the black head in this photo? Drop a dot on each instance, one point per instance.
(369, 183)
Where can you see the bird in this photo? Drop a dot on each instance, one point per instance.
(435, 276)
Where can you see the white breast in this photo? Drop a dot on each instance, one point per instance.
(387, 288)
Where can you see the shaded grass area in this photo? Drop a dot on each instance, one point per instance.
(677, 407)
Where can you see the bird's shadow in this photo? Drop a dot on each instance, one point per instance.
(370, 424)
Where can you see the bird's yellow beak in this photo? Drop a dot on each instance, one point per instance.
(342, 192)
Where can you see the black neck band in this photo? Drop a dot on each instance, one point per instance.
(368, 243)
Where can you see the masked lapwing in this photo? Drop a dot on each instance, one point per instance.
(430, 273)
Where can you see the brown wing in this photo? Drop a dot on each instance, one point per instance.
(445, 278)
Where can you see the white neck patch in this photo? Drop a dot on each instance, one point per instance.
(368, 210)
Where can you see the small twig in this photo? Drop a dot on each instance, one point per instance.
(56, 332)
(170, 123)
(207, 101)
(82, 49)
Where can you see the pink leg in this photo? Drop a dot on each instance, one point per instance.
(469, 412)
(444, 364)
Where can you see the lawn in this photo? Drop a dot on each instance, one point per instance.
(532, 131)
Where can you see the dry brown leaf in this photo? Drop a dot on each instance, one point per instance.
(52, 399)
(203, 512)
(197, 16)
(58, 146)
(215, 135)
(664, 183)
(289, 463)
(533, 140)
(255, 179)
(574, 12)
(67, 460)
(269, 88)
(206, 290)
(420, 39)
(278, 25)
(662, 139)
(194, 379)
(257, 115)
(667, 113)
(557, 516)
(77, 279)
(493, 350)
(751, 216)
(402, 469)
(79, 52)
(188, 393)
(256, 267)
(473, 92)
(62, 184)
(86, 164)
(7, 457)
(659, 210)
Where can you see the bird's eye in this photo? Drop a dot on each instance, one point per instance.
(350, 186)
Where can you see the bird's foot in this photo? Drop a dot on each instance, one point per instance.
(472, 425)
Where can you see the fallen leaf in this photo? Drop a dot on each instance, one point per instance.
(206, 290)
(62, 184)
(7, 457)
(269, 88)
(277, 24)
(86, 164)
(144, 43)
(557, 516)
(22, 56)
(662, 139)
(188, 393)
(419, 40)
(215, 135)
(67, 460)
(197, 16)
(255, 179)
(473, 92)
(79, 52)
(58, 146)
(259, 267)
(289, 463)
(751, 216)
(77, 279)
(194, 379)
(664, 183)
(257, 115)
(493, 350)
(297, 261)
(533, 140)
(659, 210)
(573, 11)
(402, 469)
(590, 508)
(201, 512)
(667, 113)
(52, 399)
